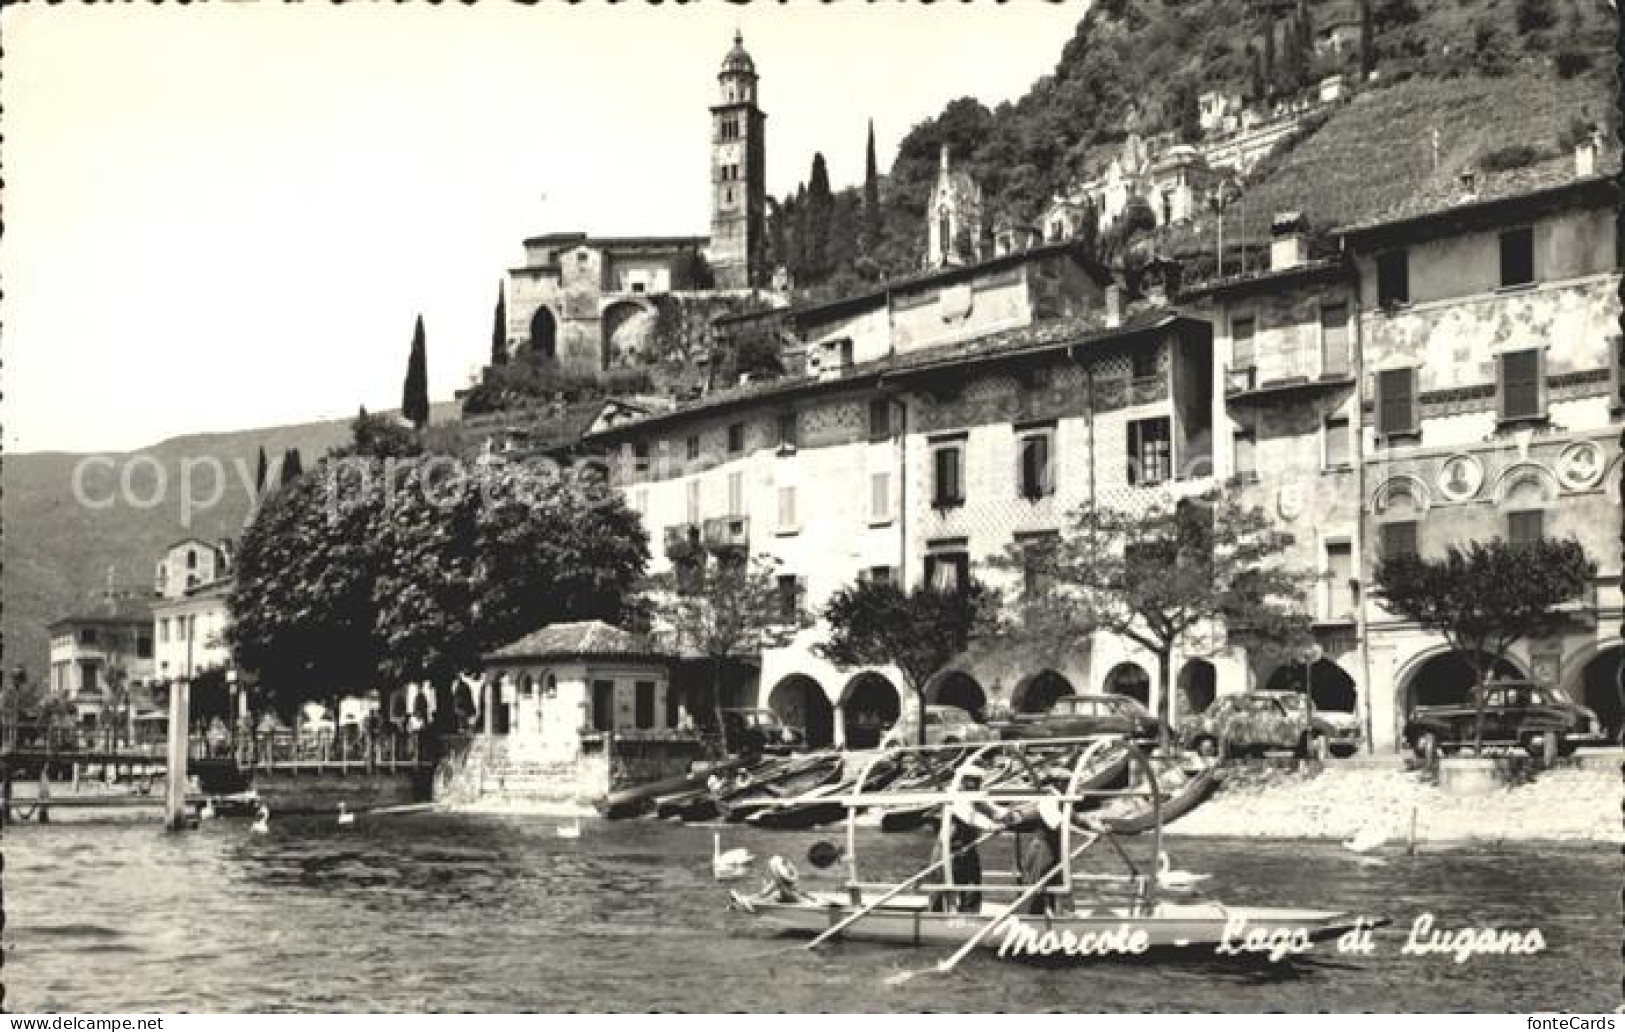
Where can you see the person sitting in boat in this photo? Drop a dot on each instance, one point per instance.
(969, 818)
(1038, 853)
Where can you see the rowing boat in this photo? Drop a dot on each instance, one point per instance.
(801, 778)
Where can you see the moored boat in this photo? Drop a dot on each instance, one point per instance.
(800, 778)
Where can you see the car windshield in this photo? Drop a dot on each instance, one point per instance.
(1077, 707)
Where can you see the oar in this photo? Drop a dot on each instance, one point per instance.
(850, 919)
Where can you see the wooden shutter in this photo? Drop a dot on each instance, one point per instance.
(1334, 339)
(1393, 279)
(787, 507)
(1524, 528)
(1398, 539)
(880, 496)
(1396, 401)
(1520, 384)
(948, 488)
(736, 494)
(1517, 257)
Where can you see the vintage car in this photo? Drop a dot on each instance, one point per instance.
(944, 725)
(753, 732)
(1257, 722)
(1516, 713)
(1078, 716)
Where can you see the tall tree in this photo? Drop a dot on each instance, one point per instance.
(1255, 63)
(1368, 43)
(871, 195)
(817, 214)
(1270, 69)
(725, 608)
(260, 472)
(1186, 575)
(415, 392)
(292, 466)
(499, 327)
(1484, 597)
(920, 632)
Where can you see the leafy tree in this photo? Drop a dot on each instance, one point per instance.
(379, 437)
(691, 271)
(1484, 597)
(1185, 575)
(725, 608)
(499, 327)
(415, 391)
(919, 632)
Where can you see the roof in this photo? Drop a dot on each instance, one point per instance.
(123, 610)
(1520, 192)
(582, 239)
(737, 60)
(1267, 279)
(218, 588)
(951, 274)
(1050, 335)
(587, 639)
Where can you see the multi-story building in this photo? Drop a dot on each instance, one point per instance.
(1491, 335)
(90, 650)
(189, 631)
(188, 563)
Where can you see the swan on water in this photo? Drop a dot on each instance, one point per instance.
(1365, 840)
(571, 830)
(262, 820)
(345, 816)
(1168, 878)
(735, 863)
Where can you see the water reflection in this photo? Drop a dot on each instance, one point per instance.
(422, 912)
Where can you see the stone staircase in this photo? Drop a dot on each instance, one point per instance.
(493, 775)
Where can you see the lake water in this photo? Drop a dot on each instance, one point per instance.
(430, 912)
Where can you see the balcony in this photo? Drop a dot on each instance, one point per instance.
(1143, 390)
(725, 532)
(1241, 384)
(1240, 379)
(682, 538)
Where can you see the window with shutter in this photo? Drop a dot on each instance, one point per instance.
(1246, 441)
(1150, 451)
(1518, 257)
(1339, 573)
(879, 419)
(1334, 340)
(789, 596)
(736, 494)
(694, 448)
(1241, 342)
(879, 497)
(1396, 402)
(736, 438)
(693, 501)
(1337, 443)
(948, 490)
(947, 571)
(788, 437)
(644, 704)
(1398, 539)
(1526, 528)
(1393, 279)
(787, 509)
(1616, 347)
(1035, 472)
(1520, 385)
(603, 705)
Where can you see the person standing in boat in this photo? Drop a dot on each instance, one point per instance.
(969, 819)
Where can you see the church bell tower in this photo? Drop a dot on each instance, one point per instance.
(738, 176)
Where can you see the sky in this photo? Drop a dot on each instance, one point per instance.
(222, 216)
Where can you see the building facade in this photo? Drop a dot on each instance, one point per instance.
(738, 174)
(94, 650)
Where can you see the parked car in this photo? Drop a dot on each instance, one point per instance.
(1518, 713)
(1079, 716)
(1253, 723)
(944, 725)
(752, 732)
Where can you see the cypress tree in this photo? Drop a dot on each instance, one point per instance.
(292, 466)
(1368, 44)
(415, 392)
(871, 194)
(820, 209)
(499, 328)
(1269, 60)
(259, 471)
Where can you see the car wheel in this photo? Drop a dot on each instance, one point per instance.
(1316, 749)
(1207, 748)
(1343, 750)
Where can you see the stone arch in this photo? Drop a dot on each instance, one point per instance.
(870, 705)
(1525, 485)
(628, 329)
(544, 334)
(1441, 676)
(802, 702)
(1038, 692)
(1198, 685)
(1330, 687)
(1400, 495)
(1129, 679)
(957, 688)
(1594, 677)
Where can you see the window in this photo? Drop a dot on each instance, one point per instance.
(1241, 342)
(879, 419)
(1035, 472)
(948, 488)
(1339, 576)
(1036, 550)
(736, 438)
(143, 646)
(643, 704)
(87, 675)
(787, 430)
(876, 575)
(728, 195)
(1334, 340)
(603, 705)
(1246, 441)
(736, 494)
(1143, 363)
(87, 636)
(694, 447)
(674, 711)
(1616, 349)
(1337, 443)
(1518, 257)
(1398, 539)
(880, 497)
(640, 501)
(1526, 528)
(191, 559)
(947, 571)
(692, 489)
(1520, 385)
(1396, 402)
(163, 629)
(1150, 451)
(787, 509)
(789, 596)
(640, 458)
(1393, 279)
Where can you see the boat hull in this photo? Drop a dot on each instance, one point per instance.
(1097, 932)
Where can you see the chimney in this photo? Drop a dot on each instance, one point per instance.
(1289, 241)
(1585, 154)
(1469, 186)
(1114, 306)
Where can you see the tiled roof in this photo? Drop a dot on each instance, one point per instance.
(588, 638)
(1549, 179)
(123, 610)
(1036, 337)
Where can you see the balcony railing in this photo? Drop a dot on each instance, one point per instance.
(680, 537)
(726, 532)
(1240, 378)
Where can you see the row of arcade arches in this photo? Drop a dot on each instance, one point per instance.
(626, 327)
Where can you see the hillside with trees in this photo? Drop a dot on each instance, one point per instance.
(1145, 62)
